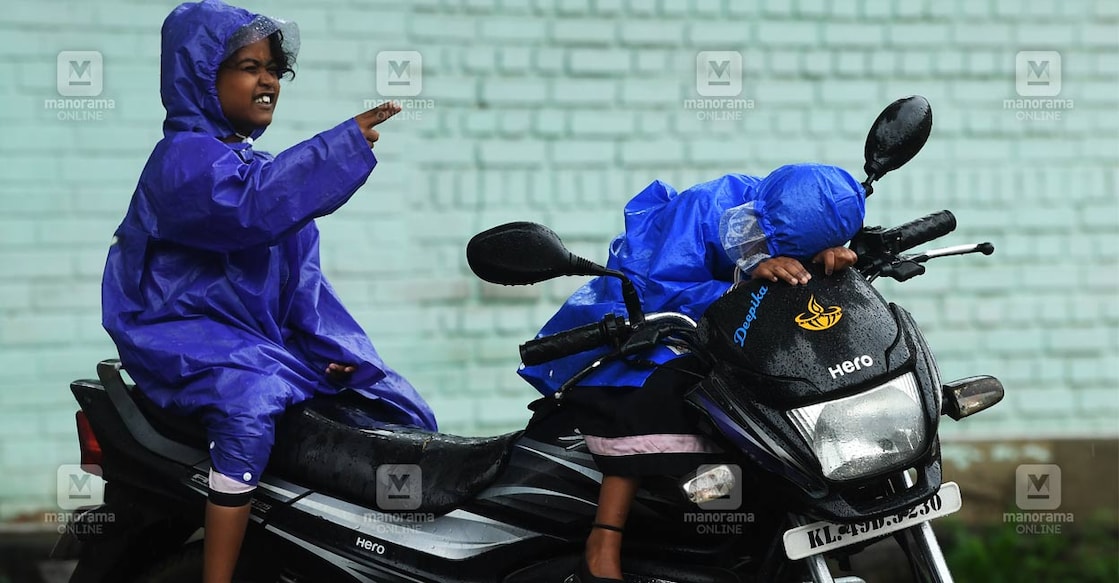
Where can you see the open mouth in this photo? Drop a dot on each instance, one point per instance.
(266, 99)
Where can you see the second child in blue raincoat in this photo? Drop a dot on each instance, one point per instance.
(681, 250)
(213, 291)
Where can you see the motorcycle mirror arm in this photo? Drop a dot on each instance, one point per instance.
(629, 296)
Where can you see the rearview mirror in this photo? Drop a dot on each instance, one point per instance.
(523, 253)
(896, 136)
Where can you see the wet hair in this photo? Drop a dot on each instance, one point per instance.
(284, 60)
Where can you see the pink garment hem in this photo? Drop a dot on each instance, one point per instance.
(646, 444)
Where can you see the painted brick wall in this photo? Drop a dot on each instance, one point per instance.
(558, 113)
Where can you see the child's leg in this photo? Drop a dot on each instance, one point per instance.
(227, 515)
(604, 546)
(633, 432)
(241, 432)
(225, 529)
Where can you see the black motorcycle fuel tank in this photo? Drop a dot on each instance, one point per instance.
(792, 345)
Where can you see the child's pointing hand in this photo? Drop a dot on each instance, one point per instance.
(368, 120)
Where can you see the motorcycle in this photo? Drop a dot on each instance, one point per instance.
(825, 399)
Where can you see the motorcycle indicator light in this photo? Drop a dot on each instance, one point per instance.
(867, 433)
(712, 484)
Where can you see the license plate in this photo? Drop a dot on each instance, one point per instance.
(818, 537)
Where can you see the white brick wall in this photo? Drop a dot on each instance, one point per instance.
(558, 112)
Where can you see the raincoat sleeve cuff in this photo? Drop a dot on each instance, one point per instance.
(355, 140)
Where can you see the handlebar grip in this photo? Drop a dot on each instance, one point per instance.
(564, 343)
(920, 231)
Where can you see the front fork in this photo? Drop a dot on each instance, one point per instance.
(919, 543)
(817, 566)
(926, 560)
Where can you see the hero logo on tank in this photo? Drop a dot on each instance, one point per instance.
(850, 366)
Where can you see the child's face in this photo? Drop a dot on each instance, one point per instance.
(248, 87)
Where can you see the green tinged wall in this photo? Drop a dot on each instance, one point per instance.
(558, 113)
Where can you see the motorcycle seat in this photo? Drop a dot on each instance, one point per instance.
(335, 445)
(339, 445)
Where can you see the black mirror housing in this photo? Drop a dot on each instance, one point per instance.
(896, 136)
(523, 253)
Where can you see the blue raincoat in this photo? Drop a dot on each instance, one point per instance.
(213, 291)
(681, 249)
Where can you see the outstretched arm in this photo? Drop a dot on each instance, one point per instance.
(210, 196)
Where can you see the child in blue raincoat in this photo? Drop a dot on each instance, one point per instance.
(681, 250)
(213, 291)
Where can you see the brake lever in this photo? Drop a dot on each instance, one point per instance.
(985, 248)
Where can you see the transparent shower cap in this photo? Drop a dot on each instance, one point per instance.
(743, 238)
(262, 27)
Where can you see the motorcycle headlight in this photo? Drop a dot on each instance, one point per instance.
(865, 433)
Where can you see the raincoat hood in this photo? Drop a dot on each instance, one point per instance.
(795, 211)
(804, 208)
(196, 38)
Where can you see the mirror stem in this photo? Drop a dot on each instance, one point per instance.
(632, 300)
